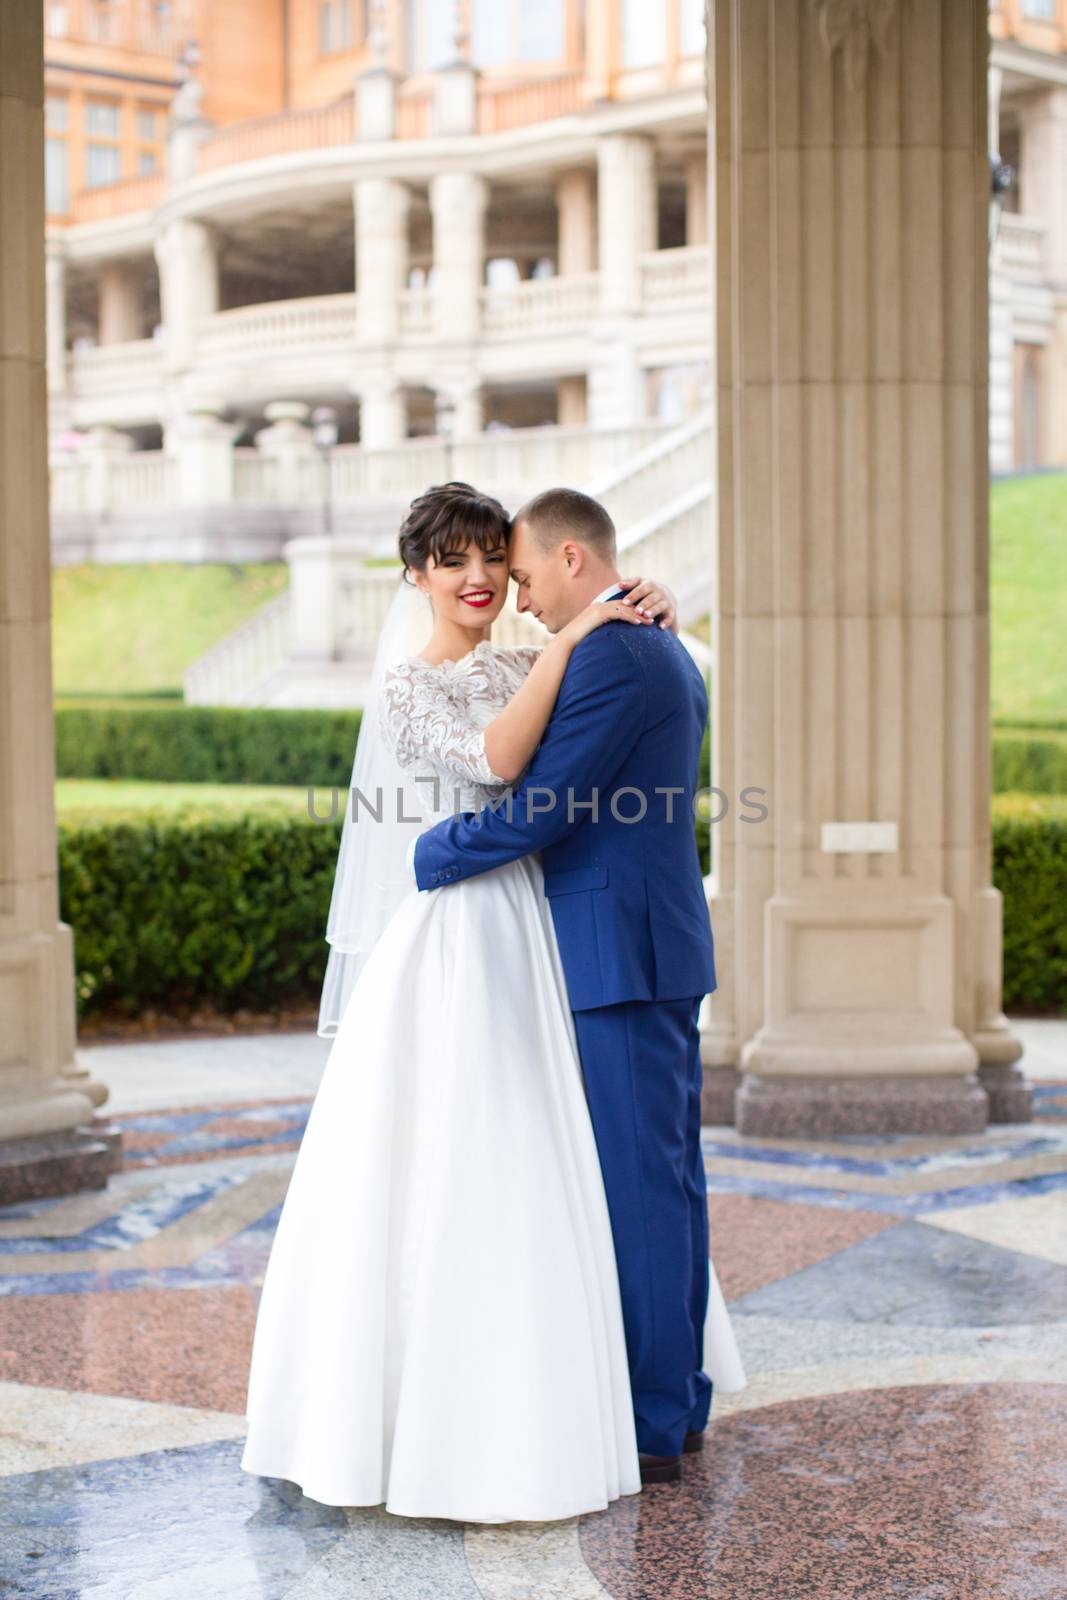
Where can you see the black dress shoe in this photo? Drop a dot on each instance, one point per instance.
(659, 1469)
(693, 1443)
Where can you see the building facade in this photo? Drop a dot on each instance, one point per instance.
(440, 217)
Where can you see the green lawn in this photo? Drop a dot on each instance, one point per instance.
(1028, 600)
(120, 630)
(78, 799)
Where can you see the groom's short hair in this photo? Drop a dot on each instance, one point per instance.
(558, 514)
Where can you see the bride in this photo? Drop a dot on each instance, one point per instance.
(440, 1327)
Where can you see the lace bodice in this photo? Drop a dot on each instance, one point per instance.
(433, 717)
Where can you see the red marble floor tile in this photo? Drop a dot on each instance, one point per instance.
(189, 1347)
(243, 1128)
(754, 1240)
(939, 1492)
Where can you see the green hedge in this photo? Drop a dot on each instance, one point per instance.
(206, 744)
(1029, 764)
(216, 909)
(1030, 869)
(223, 744)
(208, 909)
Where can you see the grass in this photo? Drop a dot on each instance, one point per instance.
(128, 632)
(1028, 603)
(132, 630)
(1028, 600)
(82, 799)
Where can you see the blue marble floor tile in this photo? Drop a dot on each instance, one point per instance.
(185, 1522)
(927, 1277)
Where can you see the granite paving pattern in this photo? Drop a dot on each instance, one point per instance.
(900, 1304)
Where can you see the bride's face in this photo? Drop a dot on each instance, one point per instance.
(467, 586)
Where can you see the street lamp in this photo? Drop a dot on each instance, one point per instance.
(1002, 177)
(324, 433)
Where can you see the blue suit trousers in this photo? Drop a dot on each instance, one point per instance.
(641, 1065)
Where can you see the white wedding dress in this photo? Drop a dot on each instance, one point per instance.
(440, 1327)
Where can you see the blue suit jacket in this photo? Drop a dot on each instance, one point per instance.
(627, 897)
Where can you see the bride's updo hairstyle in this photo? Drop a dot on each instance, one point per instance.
(446, 519)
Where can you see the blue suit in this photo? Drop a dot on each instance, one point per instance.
(607, 799)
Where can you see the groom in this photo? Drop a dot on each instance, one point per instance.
(608, 801)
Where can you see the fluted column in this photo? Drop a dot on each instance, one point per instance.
(851, 620)
(46, 1103)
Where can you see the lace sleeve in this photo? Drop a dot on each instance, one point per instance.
(419, 720)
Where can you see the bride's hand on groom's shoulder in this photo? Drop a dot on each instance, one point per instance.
(654, 598)
(600, 611)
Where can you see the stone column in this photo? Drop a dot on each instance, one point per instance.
(383, 417)
(572, 410)
(576, 209)
(49, 1142)
(851, 618)
(119, 289)
(1042, 163)
(626, 217)
(626, 230)
(1001, 337)
(696, 197)
(458, 201)
(381, 208)
(201, 442)
(289, 442)
(100, 449)
(187, 255)
(56, 315)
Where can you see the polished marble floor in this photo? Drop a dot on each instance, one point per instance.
(901, 1306)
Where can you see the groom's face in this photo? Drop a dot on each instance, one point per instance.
(544, 579)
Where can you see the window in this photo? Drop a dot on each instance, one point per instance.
(514, 30)
(56, 176)
(148, 122)
(147, 161)
(56, 113)
(103, 164)
(644, 32)
(102, 116)
(1042, 9)
(691, 38)
(57, 21)
(335, 26)
(429, 26)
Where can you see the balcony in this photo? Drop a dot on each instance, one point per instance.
(537, 327)
(1020, 246)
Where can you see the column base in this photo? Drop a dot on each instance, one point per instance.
(64, 1162)
(717, 1095)
(1010, 1094)
(814, 1108)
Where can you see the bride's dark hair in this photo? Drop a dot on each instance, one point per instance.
(448, 518)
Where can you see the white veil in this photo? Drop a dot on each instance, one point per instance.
(385, 808)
